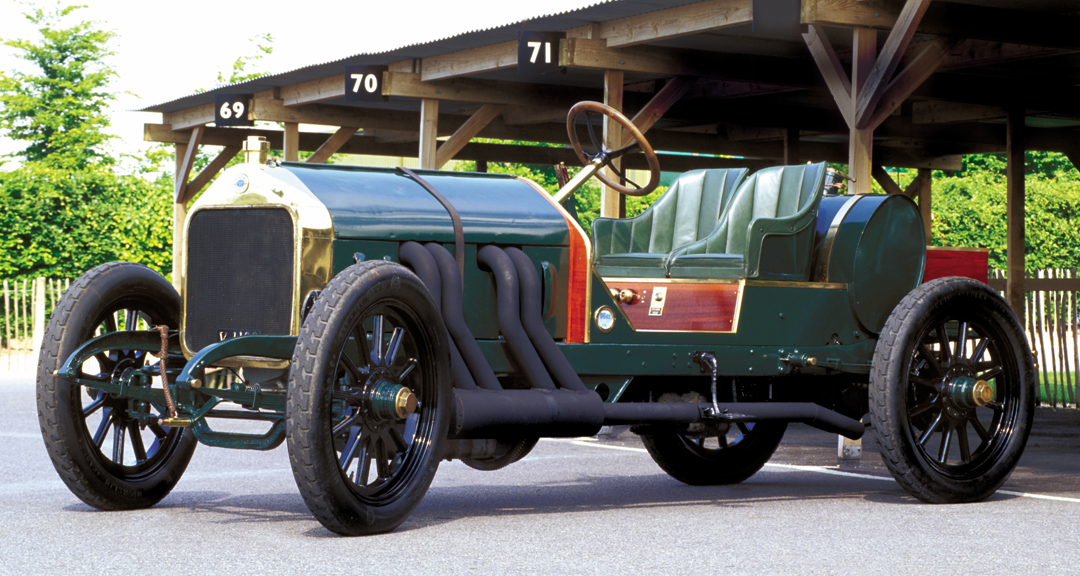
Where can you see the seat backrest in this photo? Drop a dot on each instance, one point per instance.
(769, 193)
(686, 212)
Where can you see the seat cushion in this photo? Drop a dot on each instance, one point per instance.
(706, 266)
(632, 265)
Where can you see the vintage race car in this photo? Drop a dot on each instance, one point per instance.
(380, 321)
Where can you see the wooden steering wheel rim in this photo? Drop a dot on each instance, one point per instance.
(650, 155)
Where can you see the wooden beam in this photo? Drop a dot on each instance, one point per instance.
(939, 112)
(1014, 211)
(331, 115)
(429, 131)
(885, 181)
(861, 138)
(291, 151)
(612, 204)
(183, 167)
(190, 118)
(674, 22)
(891, 53)
(203, 178)
(515, 115)
(831, 69)
(660, 104)
(332, 145)
(317, 90)
(923, 184)
(910, 78)
(1007, 25)
(472, 61)
(663, 61)
(406, 85)
(468, 131)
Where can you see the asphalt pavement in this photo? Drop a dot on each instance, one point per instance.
(581, 506)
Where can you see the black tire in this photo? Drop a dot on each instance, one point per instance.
(334, 431)
(924, 425)
(76, 421)
(726, 454)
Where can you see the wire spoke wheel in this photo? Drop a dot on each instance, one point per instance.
(952, 392)
(111, 451)
(368, 405)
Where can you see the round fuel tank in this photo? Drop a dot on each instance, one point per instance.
(876, 245)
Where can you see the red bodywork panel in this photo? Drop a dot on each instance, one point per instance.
(942, 261)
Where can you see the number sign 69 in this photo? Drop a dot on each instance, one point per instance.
(232, 110)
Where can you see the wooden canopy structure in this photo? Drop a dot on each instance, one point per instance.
(870, 83)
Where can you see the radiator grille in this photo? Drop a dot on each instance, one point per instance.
(239, 274)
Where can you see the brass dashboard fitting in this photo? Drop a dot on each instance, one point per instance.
(627, 296)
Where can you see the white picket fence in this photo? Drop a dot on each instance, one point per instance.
(27, 305)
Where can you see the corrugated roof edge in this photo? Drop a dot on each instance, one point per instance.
(265, 82)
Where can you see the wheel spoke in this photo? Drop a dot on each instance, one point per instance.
(943, 448)
(944, 345)
(933, 428)
(980, 348)
(349, 451)
(130, 319)
(961, 339)
(346, 423)
(382, 459)
(103, 427)
(110, 322)
(399, 441)
(625, 149)
(410, 427)
(377, 340)
(157, 430)
(929, 356)
(623, 178)
(363, 351)
(983, 434)
(137, 442)
(592, 133)
(363, 467)
(409, 365)
(118, 443)
(923, 382)
(394, 345)
(93, 406)
(923, 407)
(962, 437)
(991, 373)
(352, 369)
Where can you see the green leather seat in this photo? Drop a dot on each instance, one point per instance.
(639, 246)
(766, 232)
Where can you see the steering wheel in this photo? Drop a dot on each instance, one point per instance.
(605, 154)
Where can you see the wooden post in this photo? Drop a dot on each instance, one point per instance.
(612, 204)
(179, 217)
(481, 166)
(39, 315)
(1014, 210)
(861, 140)
(7, 318)
(291, 150)
(429, 132)
(926, 186)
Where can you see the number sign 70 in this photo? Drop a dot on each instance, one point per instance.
(364, 83)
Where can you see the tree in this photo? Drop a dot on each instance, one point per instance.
(61, 112)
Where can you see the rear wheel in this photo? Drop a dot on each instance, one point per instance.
(952, 391)
(111, 452)
(720, 454)
(368, 399)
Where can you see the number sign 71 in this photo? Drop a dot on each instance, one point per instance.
(538, 52)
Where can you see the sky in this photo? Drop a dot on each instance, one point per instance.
(166, 50)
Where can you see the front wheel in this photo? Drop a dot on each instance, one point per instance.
(368, 399)
(952, 391)
(112, 452)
